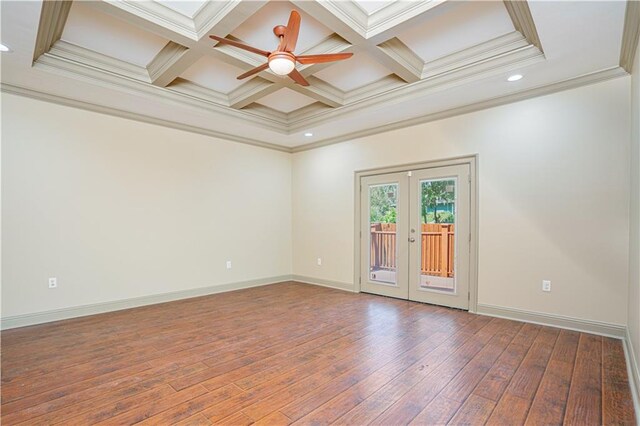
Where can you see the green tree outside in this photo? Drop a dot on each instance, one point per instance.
(437, 197)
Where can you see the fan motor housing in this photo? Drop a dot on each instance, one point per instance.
(279, 30)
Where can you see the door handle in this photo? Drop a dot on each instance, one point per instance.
(412, 240)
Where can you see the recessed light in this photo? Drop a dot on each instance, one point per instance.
(4, 48)
(308, 134)
(514, 77)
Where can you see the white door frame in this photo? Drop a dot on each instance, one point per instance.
(472, 161)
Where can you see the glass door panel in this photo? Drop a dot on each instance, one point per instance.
(439, 259)
(437, 214)
(414, 235)
(383, 251)
(384, 205)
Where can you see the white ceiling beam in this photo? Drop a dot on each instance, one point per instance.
(333, 16)
(401, 60)
(118, 10)
(187, 42)
(319, 90)
(53, 17)
(251, 91)
(520, 15)
(170, 62)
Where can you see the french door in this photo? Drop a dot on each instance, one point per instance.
(415, 235)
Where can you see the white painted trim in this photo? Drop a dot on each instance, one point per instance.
(587, 326)
(338, 285)
(520, 15)
(633, 372)
(98, 308)
(630, 35)
(572, 83)
(472, 161)
(53, 17)
(468, 65)
(488, 67)
(60, 100)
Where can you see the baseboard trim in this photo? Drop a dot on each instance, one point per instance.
(99, 308)
(633, 372)
(324, 283)
(560, 321)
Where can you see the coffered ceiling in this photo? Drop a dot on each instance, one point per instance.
(413, 60)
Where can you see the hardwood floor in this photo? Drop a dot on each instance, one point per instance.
(293, 353)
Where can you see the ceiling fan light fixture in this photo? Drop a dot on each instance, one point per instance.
(281, 63)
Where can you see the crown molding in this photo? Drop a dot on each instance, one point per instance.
(519, 58)
(309, 109)
(188, 88)
(520, 15)
(53, 18)
(385, 84)
(370, 26)
(479, 61)
(630, 35)
(77, 62)
(212, 13)
(572, 83)
(83, 65)
(80, 55)
(568, 84)
(266, 111)
(395, 14)
(61, 100)
(165, 59)
(350, 14)
(159, 14)
(251, 91)
(410, 65)
(500, 45)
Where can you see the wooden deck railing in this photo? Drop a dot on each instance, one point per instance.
(437, 252)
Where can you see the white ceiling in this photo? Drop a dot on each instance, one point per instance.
(110, 36)
(286, 100)
(214, 74)
(185, 7)
(432, 37)
(411, 59)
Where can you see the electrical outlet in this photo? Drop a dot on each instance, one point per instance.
(228, 264)
(319, 261)
(53, 282)
(546, 285)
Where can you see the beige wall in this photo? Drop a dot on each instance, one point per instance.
(634, 219)
(117, 209)
(553, 199)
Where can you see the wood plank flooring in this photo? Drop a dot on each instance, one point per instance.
(293, 353)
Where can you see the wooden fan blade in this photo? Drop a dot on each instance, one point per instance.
(298, 78)
(316, 59)
(291, 34)
(240, 45)
(253, 71)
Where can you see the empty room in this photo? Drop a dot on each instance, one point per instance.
(318, 212)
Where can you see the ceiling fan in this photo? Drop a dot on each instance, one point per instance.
(283, 61)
